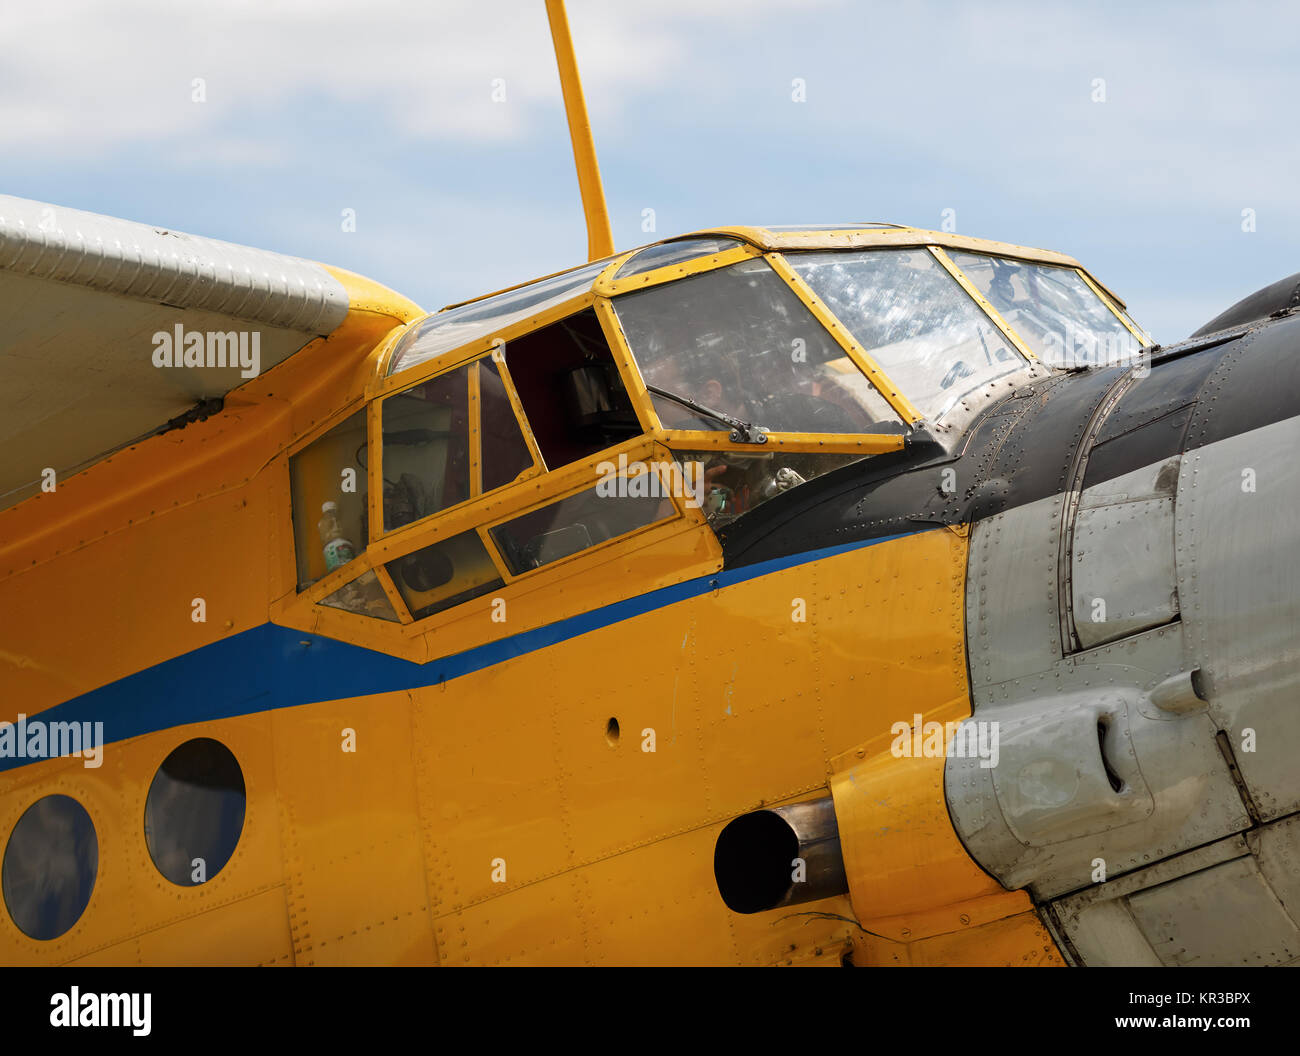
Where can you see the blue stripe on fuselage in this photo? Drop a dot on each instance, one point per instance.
(271, 667)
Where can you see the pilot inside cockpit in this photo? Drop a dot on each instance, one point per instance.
(765, 396)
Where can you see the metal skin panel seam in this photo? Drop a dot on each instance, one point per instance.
(1228, 413)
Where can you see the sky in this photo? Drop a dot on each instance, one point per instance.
(1154, 142)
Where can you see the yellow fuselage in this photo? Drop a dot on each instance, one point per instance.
(490, 812)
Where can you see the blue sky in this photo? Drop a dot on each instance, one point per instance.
(911, 109)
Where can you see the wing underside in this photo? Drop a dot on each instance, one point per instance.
(83, 299)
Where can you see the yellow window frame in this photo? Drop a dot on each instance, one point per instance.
(495, 344)
(475, 348)
(983, 303)
(504, 502)
(608, 286)
(1109, 301)
(326, 425)
(849, 443)
(497, 508)
(1112, 303)
(474, 413)
(679, 508)
(860, 357)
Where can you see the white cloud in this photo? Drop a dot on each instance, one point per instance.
(912, 108)
(90, 75)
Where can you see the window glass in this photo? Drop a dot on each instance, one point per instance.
(1052, 309)
(914, 319)
(732, 483)
(471, 322)
(445, 574)
(365, 596)
(194, 812)
(661, 256)
(1131, 322)
(426, 448)
(427, 443)
(330, 471)
(505, 455)
(738, 340)
(50, 865)
(575, 524)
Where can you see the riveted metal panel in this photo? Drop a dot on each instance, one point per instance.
(1011, 595)
(1232, 901)
(1097, 921)
(1105, 935)
(1223, 916)
(1276, 848)
(1047, 761)
(1170, 386)
(1156, 479)
(1255, 383)
(1056, 784)
(1122, 568)
(1161, 438)
(1238, 534)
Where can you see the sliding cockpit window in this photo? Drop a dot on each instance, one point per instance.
(448, 440)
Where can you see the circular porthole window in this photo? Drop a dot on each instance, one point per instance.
(50, 866)
(195, 812)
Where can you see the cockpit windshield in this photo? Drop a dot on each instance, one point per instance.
(1052, 309)
(739, 341)
(914, 319)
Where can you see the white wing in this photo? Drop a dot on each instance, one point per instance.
(81, 298)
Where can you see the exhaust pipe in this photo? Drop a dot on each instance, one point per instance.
(756, 861)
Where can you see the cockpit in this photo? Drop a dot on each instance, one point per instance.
(690, 381)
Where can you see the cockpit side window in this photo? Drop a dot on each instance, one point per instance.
(1052, 309)
(570, 389)
(676, 252)
(426, 461)
(574, 524)
(444, 575)
(327, 481)
(738, 340)
(504, 454)
(447, 440)
(914, 319)
(364, 595)
(455, 327)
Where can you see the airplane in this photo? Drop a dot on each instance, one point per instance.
(835, 594)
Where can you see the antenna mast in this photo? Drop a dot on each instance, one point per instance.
(600, 241)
